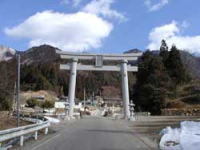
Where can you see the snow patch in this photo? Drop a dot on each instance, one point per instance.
(52, 120)
(6, 53)
(187, 137)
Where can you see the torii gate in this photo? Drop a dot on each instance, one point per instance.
(123, 67)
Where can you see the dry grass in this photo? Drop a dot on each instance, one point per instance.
(49, 95)
(187, 97)
(7, 121)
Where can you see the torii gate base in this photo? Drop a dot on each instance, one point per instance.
(123, 68)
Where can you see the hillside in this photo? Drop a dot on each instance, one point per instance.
(165, 81)
(42, 54)
(192, 64)
(186, 102)
(48, 95)
(40, 71)
(7, 82)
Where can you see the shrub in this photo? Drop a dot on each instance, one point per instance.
(32, 102)
(5, 104)
(47, 104)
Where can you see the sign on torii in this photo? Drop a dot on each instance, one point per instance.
(123, 67)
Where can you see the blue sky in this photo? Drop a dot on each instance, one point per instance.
(111, 26)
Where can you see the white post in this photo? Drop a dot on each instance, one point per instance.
(21, 140)
(46, 131)
(125, 89)
(72, 87)
(84, 97)
(36, 135)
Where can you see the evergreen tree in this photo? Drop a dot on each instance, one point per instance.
(175, 67)
(163, 46)
(164, 51)
(152, 84)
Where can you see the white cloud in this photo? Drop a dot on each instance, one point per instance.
(103, 8)
(185, 24)
(80, 31)
(172, 34)
(162, 32)
(75, 3)
(157, 6)
(71, 32)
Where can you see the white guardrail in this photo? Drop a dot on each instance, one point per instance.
(21, 131)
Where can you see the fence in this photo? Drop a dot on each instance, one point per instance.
(21, 131)
(141, 115)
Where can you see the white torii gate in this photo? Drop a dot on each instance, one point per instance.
(123, 67)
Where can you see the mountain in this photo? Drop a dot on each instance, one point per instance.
(40, 54)
(135, 50)
(33, 55)
(192, 64)
(40, 71)
(45, 54)
(190, 61)
(6, 53)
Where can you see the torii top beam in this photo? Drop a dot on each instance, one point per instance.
(89, 56)
(123, 58)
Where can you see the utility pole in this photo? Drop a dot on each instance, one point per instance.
(14, 99)
(18, 88)
(100, 92)
(84, 97)
(92, 97)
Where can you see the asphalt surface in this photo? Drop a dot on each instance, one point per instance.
(92, 134)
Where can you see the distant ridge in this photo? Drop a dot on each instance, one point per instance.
(45, 54)
(135, 50)
(40, 54)
(6, 53)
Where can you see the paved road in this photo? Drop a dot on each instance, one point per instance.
(93, 134)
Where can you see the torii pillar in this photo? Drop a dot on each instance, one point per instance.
(125, 88)
(72, 86)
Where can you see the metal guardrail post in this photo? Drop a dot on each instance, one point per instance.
(46, 131)
(22, 131)
(36, 135)
(21, 140)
